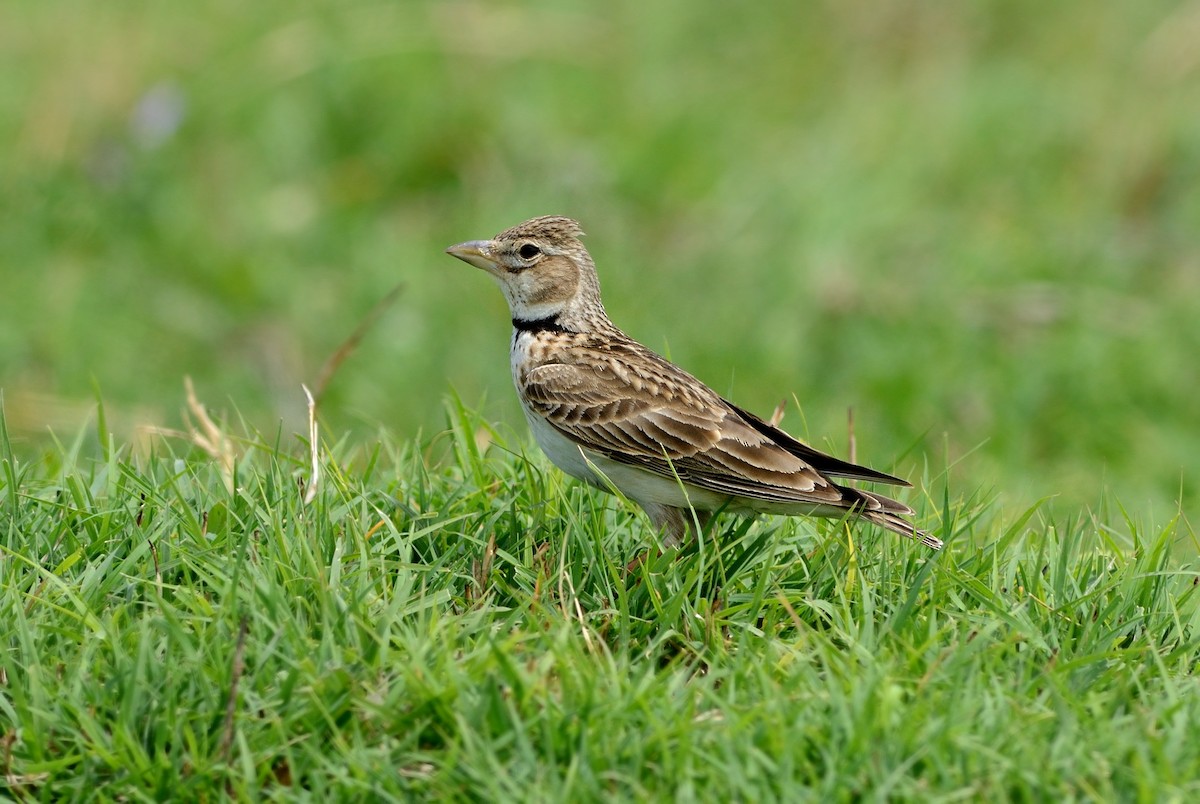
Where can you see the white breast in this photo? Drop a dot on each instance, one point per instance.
(565, 454)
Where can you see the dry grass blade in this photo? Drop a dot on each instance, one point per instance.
(158, 581)
(330, 368)
(583, 626)
(17, 781)
(314, 479)
(204, 433)
(207, 435)
(350, 344)
(239, 666)
(777, 414)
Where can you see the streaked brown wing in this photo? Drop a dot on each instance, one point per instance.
(636, 408)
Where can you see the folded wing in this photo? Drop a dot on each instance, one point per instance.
(634, 407)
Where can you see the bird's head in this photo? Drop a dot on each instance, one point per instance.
(543, 269)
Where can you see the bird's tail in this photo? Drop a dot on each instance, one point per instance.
(888, 513)
(899, 524)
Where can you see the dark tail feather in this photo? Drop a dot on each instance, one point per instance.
(898, 524)
(888, 513)
(823, 463)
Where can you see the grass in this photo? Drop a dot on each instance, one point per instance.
(466, 628)
(973, 223)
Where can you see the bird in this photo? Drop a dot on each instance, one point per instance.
(613, 413)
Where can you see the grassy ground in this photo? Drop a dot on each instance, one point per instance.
(469, 630)
(973, 223)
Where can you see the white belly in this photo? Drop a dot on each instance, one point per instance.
(639, 485)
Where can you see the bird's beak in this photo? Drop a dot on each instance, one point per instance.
(476, 252)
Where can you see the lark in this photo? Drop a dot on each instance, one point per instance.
(612, 413)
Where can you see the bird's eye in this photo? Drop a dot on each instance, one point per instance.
(528, 251)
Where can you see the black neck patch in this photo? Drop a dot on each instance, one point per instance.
(536, 325)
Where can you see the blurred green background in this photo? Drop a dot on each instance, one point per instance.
(976, 223)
